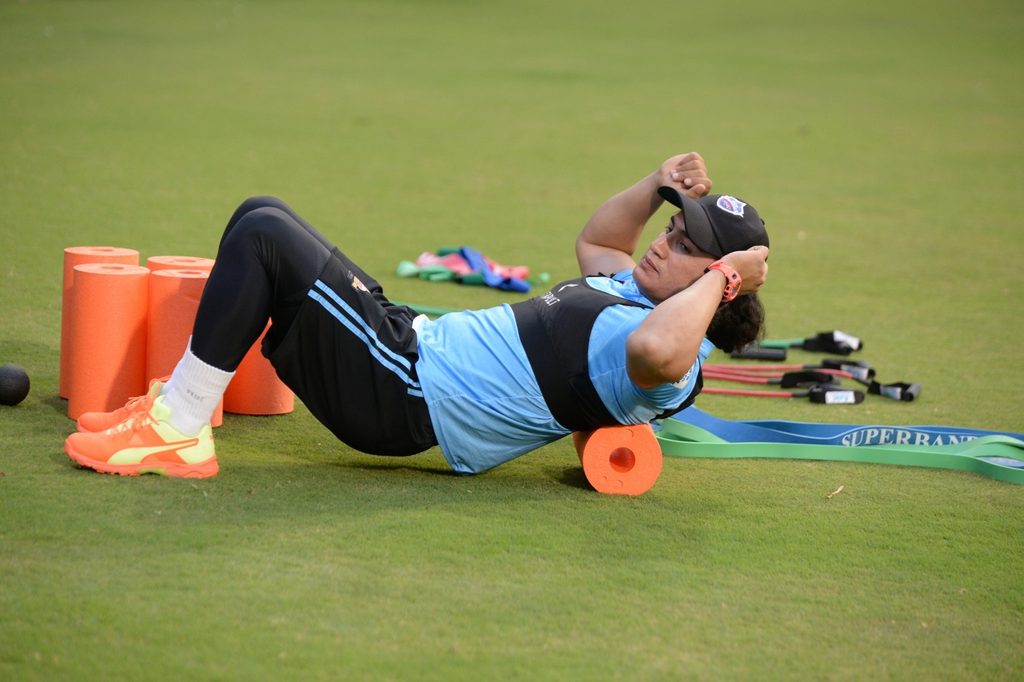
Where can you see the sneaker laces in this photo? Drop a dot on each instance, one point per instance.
(136, 422)
(143, 403)
(134, 402)
(146, 398)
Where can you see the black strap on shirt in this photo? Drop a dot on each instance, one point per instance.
(555, 331)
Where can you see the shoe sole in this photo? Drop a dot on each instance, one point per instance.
(205, 469)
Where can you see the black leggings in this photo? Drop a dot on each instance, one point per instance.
(266, 262)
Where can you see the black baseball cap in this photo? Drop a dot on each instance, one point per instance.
(718, 223)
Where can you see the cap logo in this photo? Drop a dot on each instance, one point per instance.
(731, 205)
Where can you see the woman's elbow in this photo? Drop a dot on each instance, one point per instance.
(652, 361)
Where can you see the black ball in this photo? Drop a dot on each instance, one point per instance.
(14, 384)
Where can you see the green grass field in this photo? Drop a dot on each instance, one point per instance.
(882, 142)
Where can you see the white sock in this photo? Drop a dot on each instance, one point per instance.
(193, 392)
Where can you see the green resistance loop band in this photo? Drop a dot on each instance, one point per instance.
(998, 457)
(780, 343)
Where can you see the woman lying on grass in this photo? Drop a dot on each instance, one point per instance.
(623, 344)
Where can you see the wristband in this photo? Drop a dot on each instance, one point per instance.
(733, 281)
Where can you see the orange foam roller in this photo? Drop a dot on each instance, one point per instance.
(620, 460)
(80, 255)
(179, 262)
(256, 388)
(108, 336)
(173, 301)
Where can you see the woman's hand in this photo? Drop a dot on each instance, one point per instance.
(687, 173)
(751, 265)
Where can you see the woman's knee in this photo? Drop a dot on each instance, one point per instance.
(280, 246)
(262, 201)
(263, 224)
(275, 235)
(251, 204)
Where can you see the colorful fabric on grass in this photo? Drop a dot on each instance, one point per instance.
(467, 265)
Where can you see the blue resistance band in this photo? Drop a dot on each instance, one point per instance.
(850, 435)
(693, 433)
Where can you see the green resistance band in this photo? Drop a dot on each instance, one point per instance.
(998, 457)
(780, 343)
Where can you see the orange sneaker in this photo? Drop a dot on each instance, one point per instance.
(146, 443)
(93, 422)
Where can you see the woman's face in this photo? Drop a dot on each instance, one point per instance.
(671, 263)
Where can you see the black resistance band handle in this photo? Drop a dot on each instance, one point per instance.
(756, 352)
(830, 395)
(896, 391)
